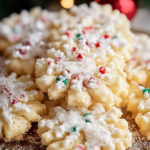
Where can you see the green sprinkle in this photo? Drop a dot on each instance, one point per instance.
(115, 37)
(80, 39)
(67, 110)
(78, 35)
(15, 31)
(146, 89)
(30, 30)
(87, 120)
(74, 129)
(57, 79)
(64, 81)
(86, 114)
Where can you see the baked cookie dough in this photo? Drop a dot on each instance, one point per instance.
(139, 105)
(82, 75)
(138, 67)
(17, 26)
(24, 54)
(84, 129)
(96, 28)
(20, 104)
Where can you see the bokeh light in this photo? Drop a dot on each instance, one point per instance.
(67, 3)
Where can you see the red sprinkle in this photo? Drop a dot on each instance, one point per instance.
(106, 36)
(89, 28)
(148, 61)
(102, 70)
(6, 89)
(132, 59)
(43, 19)
(49, 63)
(14, 101)
(22, 95)
(89, 45)
(16, 38)
(81, 147)
(84, 85)
(67, 71)
(26, 43)
(79, 57)
(68, 33)
(83, 31)
(74, 49)
(58, 58)
(18, 21)
(97, 44)
(23, 52)
(92, 78)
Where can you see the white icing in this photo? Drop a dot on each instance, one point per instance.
(12, 94)
(97, 132)
(141, 55)
(31, 46)
(19, 26)
(132, 95)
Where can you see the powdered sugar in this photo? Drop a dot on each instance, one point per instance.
(12, 94)
(97, 131)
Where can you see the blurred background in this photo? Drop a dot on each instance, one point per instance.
(138, 11)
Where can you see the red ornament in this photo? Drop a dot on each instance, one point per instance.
(102, 70)
(127, 7)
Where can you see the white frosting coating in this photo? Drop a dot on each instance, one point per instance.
(12, 94)
(140, 56)
(97, 132)
(19, 26)
(32, 46)
(81, 71)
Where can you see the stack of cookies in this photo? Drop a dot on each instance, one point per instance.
(72, 72)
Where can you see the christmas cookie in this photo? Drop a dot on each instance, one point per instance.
(20, 104)
(82, 75)
(139, 105)
(102, 26)
(24, 54)
(84, 129)
(138, 67)
(17, 26)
